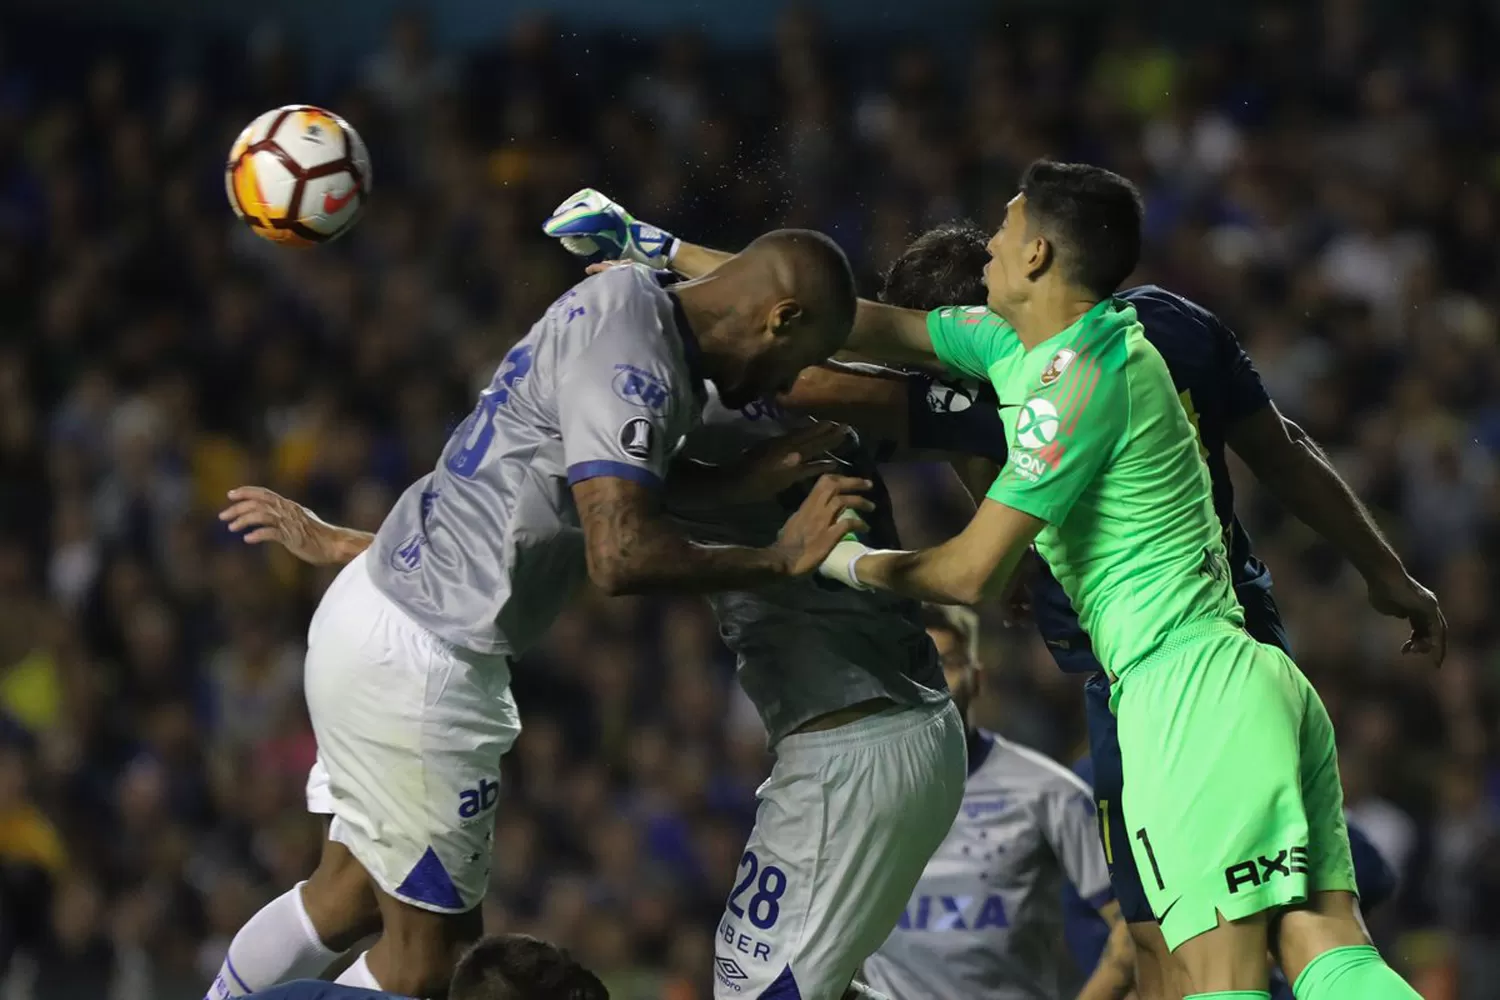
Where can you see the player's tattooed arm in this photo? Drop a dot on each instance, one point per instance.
(975, 565)
(266, 516)
(1287, 461)
(632, 548)
(1114, 977)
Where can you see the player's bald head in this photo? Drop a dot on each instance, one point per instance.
(810, 268)
(784, 302)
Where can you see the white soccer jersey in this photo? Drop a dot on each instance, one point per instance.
(986, 918)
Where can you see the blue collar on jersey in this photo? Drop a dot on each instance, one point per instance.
(691, 352)
(980, 745)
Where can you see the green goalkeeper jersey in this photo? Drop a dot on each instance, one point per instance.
(1101, 450)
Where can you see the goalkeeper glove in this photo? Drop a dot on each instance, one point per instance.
(589, 225)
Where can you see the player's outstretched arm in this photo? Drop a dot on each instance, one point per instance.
(973, 566)
(1039, 485)
(634, 549)
(1292, 466)
(265, 516)
(589, 224)
(882, 332)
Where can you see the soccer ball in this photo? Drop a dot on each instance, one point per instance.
(298, 175)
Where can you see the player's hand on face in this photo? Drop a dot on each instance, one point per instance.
(771, 466)
(1404, 597)
(818, 525)
(589, 224)
(264, 516)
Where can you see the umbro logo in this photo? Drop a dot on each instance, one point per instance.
(729, 968)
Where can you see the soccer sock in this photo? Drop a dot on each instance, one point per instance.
(1353, 973)
(359, 974)
(277, 944)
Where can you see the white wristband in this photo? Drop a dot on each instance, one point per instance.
(840, 564)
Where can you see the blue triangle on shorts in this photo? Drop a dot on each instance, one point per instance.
(784, 988)
(429, 883)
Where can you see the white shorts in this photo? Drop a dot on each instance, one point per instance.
(846, 823)
(410, 733)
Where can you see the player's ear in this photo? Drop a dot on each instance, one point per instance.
(1039, 253)
(784, 314)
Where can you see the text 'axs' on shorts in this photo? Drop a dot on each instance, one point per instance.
(1232, 800)
(846, 823)
(410, 733)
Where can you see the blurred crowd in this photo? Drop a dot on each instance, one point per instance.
(1324, 176)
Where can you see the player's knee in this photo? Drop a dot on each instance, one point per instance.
(418, 949)
(340, 900)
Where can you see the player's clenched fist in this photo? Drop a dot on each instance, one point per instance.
(588, 224)
(816, 527)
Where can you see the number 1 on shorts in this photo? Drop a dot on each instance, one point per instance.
(1150, 856)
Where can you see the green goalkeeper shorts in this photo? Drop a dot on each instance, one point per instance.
(1232, 791)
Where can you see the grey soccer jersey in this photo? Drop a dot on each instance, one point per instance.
(986, 918)
(486, 549)
(810, 646)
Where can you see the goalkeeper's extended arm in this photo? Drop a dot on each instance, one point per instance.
(886, 333)
(692, 261)
(589, 224)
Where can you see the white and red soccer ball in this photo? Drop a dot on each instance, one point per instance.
(298, 175)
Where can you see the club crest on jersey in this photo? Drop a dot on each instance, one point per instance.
(1037, 424)
(1059, 364)
(637, 439)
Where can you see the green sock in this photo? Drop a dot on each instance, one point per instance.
(1230, 995)
(1353, 973)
